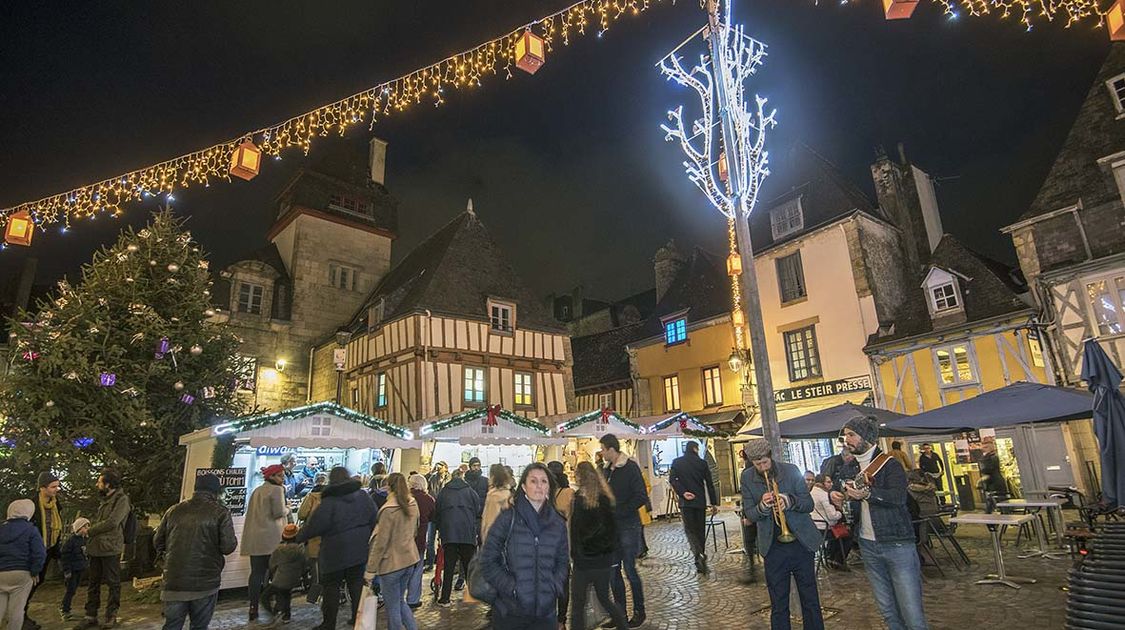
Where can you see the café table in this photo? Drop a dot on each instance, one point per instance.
(994, 522)
(1054, 512)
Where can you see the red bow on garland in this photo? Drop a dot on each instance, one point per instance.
(683, 425)
(493, 414)
(605, 415)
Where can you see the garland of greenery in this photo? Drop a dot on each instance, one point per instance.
(477, 414)
(587, 417)
(371, 422)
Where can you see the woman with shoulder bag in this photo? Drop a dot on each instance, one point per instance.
(593, 535)
(394, 553)
(525, 556)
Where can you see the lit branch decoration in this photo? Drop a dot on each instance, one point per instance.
(702, 144)
(428, 84)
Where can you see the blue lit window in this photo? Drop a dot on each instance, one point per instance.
(675, 331)
(381, 390)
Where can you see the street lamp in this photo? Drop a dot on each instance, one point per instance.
(340, 358)
(736, 362)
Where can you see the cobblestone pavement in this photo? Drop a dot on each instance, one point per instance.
(679, 599)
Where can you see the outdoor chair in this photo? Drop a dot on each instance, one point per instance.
(714, 522)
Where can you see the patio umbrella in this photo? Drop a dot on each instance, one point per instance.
(1104, 380)
(828, 422)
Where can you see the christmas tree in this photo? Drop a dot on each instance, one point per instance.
(114, 370)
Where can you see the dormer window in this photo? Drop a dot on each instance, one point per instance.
(787, 218)
(944, 297)
(376, 313)
(675, 331)
(351, 204)
(1116, 87)
(502, 316)
(250, 298)
(943, 292)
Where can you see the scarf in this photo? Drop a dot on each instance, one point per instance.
(51, 524)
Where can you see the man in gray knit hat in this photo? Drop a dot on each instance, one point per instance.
(876, 486)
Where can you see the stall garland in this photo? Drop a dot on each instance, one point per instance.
(257, 422)
(686, 420)
(477, 414)
(587, 417)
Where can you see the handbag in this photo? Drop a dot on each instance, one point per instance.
(479, 587)
(368, 610)
(840, 530)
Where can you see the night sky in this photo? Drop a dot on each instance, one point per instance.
(568, 168)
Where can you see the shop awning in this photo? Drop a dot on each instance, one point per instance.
(488, 425)
(1018, 403)
(320, 425)
(592, 424)
(723, 420)
(827, 423)
(669, 425)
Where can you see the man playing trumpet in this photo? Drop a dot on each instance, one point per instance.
(774, 495)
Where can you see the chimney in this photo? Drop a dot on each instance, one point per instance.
(906, 195)
(377, 160)
(667, 264)
(27, 279)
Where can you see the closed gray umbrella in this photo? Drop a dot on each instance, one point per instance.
(1104, 379)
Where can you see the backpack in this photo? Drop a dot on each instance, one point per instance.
(129, 528)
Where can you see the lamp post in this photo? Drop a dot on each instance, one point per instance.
(340, 358)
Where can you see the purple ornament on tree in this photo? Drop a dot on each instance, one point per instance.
(187, 399)
(108, 379)
(162, 347)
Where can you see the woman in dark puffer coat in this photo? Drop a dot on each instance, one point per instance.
(593, 539)
(525, 557)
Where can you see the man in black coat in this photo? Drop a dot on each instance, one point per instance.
(690, 477)
(475, 478)
(624, 477)
(193, 537)
(457, 513)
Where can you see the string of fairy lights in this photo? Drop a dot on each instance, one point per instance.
(523, 48)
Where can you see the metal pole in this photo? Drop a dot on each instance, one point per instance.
(751, 303)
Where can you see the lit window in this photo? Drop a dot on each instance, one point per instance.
(474, 385)
(955, 366)
(501, 316)
(355, 398)
(351, 205)
(342, 277)
(1116, 87)
(523, 389)
(787, 219)
(1106, 298)
(675, 331)
(605, 401)
(790, 277)
(250, 298)
(671, 393)
(712, 387)
(801, 354)
(944, 297)
(321, 426)
(381, 389)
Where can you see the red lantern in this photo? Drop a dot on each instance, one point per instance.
(245, 161)
(899, 9)
(1115, 21)
(734, 264)
(530, 52)
(20, 229)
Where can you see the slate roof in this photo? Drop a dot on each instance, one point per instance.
(454, 272)
(702, 287)
(1096, 133)
(993, 289)
(600, 359)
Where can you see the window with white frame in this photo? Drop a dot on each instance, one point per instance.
(475, 393)
(523, 389)
(351, 204)
(671, 393)
(956, 365)
(787, 218)
(381, 389)
(801, 354)
(342, 276)
(1106, 298)
(321, 426)
(250, 298)
(791, 277)
(712, 387)
(1116, 87)
(675, 331)
(502, 316)
(944, 297)
(605, 401)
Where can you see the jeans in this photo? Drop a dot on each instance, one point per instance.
(107, 570)
(395, 585)
(792, 559)
(695, 526)
(896, 579)
(414, 591)
(259, 571)
(629, 542)
(200, 611)
(454, 552)
(330, 600)
(581, 579)
(72, 583)
(431, 538)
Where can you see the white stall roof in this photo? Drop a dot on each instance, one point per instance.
(592, 424)
(323, 424)
(678, 424)
(487, 425)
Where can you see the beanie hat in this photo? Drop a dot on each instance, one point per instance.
(865, 427)
(46, 478)
(21, 508)
(79, 523)
(757, 449)
(209, 483)
(290, 532)
(474, 460)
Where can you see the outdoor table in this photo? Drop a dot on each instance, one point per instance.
(994, 522)
(1054, 512)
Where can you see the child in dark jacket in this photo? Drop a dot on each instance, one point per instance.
(72, 558)
(287, 567)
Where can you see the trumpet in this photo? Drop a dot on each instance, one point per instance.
(785, 536)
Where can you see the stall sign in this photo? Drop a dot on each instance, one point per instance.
(820, 390)
(267, 451)
(233, 481)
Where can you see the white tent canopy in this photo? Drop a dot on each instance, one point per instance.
(488, 426)
(320, 425)
(592, 424)
(669, 425)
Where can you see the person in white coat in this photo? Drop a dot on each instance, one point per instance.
(261, 531)
(824, 516)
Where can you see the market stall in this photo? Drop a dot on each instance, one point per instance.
(321, 436)
(494, 434)
(582, 432)
(662, 441)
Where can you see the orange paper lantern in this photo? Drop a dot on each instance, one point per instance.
(738, 318)
(530, 52)
(20, 229)
(899, 9)
(246, 160)
(1115, 21)
(723, 169)
(734, 265)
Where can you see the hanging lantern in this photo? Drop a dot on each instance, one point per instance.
(1115, 21)
(530, 52)
(245, 160)
(738, 318)
(899, 9)
(20, 229)
(734, 264)
(724, 171)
